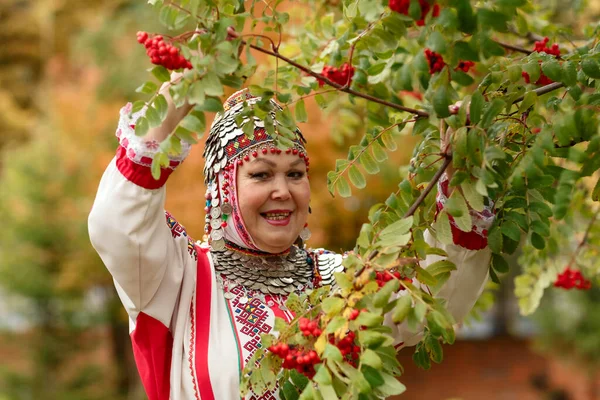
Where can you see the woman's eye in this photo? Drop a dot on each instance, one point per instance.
(259, 175)
(296, 174)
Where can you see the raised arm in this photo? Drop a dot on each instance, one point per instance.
(127, 224)
(471, 256)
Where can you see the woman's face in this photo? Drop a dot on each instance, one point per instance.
(273, 195)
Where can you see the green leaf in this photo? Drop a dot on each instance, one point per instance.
(161, 73)
(476, 107)
(532, 68)
(301, 115)
(441, 267)
(436, 42)
(511, 230)
(369, 164)
(373, 339)
(590, 68)
(289, 391)
(192, 123)
(382, 297)
(332, 305)
(152, 117)
(537, 241)
(463, 51)
(378, 152)
(493, 19)
(596, 191)
(474, 199)
(514, 73)
(441, 102)
(332, 353)
(147, 88)
(369, 357)
(399, 227)
(372, 376)
(443, 232)
(356, 177)
(529, 100)
(425, 277)
(299, 379)
(492, 111)
(495, 240)
(342, 187)
(336, 323)
(212, 85)
(160, 103)
(141, 126)
(499, 263)
(403, 307)
(391, 386)
(552, 70)
(457, 207)
(185, 135)
(322, 377)
(569, 76)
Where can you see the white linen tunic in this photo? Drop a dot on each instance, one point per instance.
(190, 342)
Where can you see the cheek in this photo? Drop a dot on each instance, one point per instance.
(250, 199)
(302, 196)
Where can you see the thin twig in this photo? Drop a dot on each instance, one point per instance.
(541, 90)
(585, 237)
(418, 201)
(514, 48)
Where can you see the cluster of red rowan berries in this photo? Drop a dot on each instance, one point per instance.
(341, 76)
(435, 61)
(384, 277)
(402, 7)
(541, 46)
(570, 279)
(464, 66)
(162, 53)
(309, 327)
(293, 358)
(349, 349)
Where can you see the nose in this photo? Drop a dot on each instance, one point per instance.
(280, 190)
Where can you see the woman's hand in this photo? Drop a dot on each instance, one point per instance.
(174, 114)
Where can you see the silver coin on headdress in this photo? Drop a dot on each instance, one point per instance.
(215, 224)
(214, 202)
(217, 245)
(226, 208)
(217, 234)
(215, 212)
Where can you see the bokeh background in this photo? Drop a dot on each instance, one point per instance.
(66, 68)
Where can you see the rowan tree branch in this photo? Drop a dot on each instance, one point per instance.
(341, 88)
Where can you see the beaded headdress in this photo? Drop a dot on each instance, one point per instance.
(227, 148)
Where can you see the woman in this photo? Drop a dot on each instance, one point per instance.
(197, 310)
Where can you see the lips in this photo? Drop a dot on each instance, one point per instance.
(277, 217)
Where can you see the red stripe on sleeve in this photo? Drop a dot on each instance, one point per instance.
(153, 348)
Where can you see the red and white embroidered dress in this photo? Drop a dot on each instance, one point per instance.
(190, 341)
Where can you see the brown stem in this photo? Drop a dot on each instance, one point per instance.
(432, 183)
(584, 239)
(542, 90)
(418, 201)
(514, 48)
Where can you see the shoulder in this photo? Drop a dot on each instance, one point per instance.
(178, 232)
(327, 263)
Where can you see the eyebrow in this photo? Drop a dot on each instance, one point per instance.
(272, 164)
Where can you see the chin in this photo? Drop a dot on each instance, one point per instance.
(277, 245)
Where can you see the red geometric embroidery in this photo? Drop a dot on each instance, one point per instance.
(177, 230)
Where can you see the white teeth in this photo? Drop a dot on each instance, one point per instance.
(277, 216)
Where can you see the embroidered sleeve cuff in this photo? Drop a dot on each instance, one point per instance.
(135, 154)
(476, 239)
